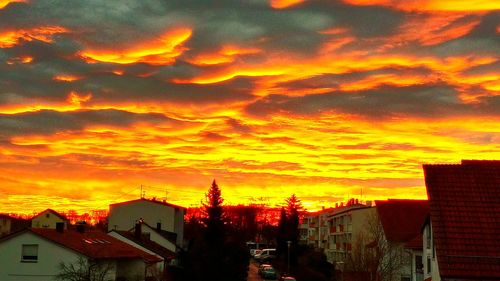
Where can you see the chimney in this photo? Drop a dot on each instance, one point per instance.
(60, 227)
(80, 227)
(158, 226)
(138, 230)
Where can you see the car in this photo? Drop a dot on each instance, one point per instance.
(269, 273)
(262, 266)
(265, 254)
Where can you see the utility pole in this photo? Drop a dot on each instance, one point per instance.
(288, 260)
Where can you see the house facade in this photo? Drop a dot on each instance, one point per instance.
(49, 219)
(37, 254)
(162, 215)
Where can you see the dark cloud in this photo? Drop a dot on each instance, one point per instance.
(50, 122)
(428, 101)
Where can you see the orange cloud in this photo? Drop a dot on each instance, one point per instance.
(281, 4)
(432, 5)
(66, 78)
(22, 59)
(4, 3)
(11, 38)
(77, 99)
(226, 54)
(161, 51)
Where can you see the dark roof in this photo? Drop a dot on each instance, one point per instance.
(464, 201)
(94, 244)
(148, 244)
(61, 216)
(170, 236)
(402, 219)
(164, 203)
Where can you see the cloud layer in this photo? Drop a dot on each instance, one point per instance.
(317, 98)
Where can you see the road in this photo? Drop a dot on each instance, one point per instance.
(253, 272)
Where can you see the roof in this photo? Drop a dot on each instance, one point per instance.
(164, 203)
(464, 202)
(170, 236)
(53, 212)
(94, 244)
(402, 219)
(147, 243)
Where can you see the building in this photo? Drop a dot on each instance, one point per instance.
(462, 235)
(143, 242)
(165, 216)
(314, 229)
(344, 224)
(37, 253)
(49, 219)
(10, 224)
(402, 222)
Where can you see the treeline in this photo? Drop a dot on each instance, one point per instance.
(217, 236)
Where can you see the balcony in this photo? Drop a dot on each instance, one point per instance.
(312, 238)
(333, 229)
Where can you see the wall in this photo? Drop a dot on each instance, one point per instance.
(5, 225)
(42, 221)
(47, 266)
(430, 252)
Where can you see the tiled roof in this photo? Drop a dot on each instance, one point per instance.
(402, 219)
(94, 244)
(164, 203)
(465, 215)
(148, 244)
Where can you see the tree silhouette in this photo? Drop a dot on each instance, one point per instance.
(214, 215)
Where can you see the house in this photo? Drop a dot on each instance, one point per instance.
(314, 230)
(344, 224)
(142, 240)
(165, 216)
(49, 219)
(38, 254)
(402, 221)
(10, 224)
(461, 236)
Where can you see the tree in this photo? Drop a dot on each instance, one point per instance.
(213, 211)
(84, 269)
(373, 256)
(218, 251)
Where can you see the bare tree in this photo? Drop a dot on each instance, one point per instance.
(84, 269)
(373, 256)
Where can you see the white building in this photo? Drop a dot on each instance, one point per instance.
(36, 254)
(166, 217)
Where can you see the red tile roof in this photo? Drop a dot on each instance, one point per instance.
(94, 244)
(402, 219)
(465, 216)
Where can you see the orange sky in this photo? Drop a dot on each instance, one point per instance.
(322, 99)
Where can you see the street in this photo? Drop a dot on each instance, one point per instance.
(253, 274)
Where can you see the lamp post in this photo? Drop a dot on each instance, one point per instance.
(288, 263)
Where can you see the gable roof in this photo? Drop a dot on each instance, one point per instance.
(464, 201)
(59, 215)
(147, 243)
(402, 219)
(164, 203)
(94, 244)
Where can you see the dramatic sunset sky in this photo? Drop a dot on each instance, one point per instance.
(318, 98)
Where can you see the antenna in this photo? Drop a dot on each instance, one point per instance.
(141, 195)
(166, 193)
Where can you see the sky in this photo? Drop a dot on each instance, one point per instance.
(323, 99)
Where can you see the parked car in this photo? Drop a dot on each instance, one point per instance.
(262, 266)
(265, 254)
(269, 273)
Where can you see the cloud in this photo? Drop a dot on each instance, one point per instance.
(48, 122)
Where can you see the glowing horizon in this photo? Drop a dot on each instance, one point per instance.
(325, 100)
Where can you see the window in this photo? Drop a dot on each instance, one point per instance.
(428, 265)
(47, 215)
(428, 235)
(419, 266)
(29, 253)
(405, 278)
